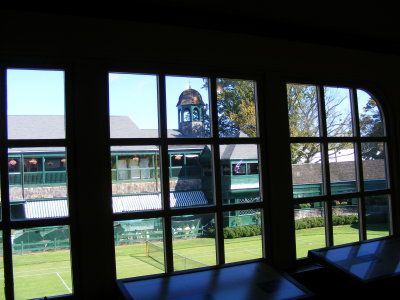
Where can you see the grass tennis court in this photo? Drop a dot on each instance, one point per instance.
(132, 260)
(48, 273)
(313, 238)
(40, 274)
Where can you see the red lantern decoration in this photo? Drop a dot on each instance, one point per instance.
(33, 161)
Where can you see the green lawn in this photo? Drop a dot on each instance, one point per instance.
(313, 238)
(41, 274)
(48, 273)
(132, 261)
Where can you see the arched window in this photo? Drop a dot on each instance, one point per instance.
(186, 115)
(338, 148)
(196, 114)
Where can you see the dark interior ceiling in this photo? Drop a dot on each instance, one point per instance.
(371, 27)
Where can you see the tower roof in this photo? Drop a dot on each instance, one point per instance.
(190, 97)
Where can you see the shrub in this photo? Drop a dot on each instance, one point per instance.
(312, 222)
(305, 205)
(210, 233)
(237, 231)
(256, 229)
(230, 233)
(309, 222)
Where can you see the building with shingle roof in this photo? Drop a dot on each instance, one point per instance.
(36, 127)
(38, 175)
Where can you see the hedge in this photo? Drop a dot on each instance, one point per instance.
(320, 222)
(252, 230)
(340, 220)
(238, 231)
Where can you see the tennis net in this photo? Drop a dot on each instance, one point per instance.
(180, 262)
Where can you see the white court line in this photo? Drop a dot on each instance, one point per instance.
(231, 248)
(45, 269)
(62, 280)
(34, 275)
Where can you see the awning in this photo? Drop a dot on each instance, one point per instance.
(36, 209)
(153, 201)
(136, 203)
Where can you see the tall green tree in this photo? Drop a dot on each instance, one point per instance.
(236, 107)
(371, 125)
(303, 121)
(370, 120)
(236, 110)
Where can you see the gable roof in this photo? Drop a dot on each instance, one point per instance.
(238, 151)
(36, 127)
(53, 127)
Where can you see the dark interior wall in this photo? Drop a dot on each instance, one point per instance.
(54, 36)
(89, 44)
(35, 36)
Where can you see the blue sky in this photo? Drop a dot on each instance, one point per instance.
(136, 95)
(32, 92)
(39, 92)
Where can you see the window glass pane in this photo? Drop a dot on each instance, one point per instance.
(252, 168)
(2, 292)
(374, 169)
(377, 216)
(306, 170)
(56, 163)
(345, 221)
(371, 121)
(35, 104)
(133, 105)
(139, 247)
(240, 180)
(226, 170)
(338, 111)
(187, 107)
(190, 175)
(303, 110)
(310, 227)
(38, 182)
(135, 174)
(41, 262)
(242, 235)
(193, 241)
(1, 210)
(236, 108)
(342, 168)
(239, 168)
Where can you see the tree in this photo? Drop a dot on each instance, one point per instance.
(370, 119)
(237, 113)
(371, 125)
(236, 107)
(304, 119)
(303, 110)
